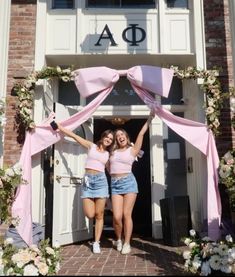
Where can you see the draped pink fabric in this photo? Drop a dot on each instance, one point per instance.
(144, 79)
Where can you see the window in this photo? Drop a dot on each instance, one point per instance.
(68, 94)
(62, 4)
(121, 4)
(122, 94)
(175, 94)
(177, 4)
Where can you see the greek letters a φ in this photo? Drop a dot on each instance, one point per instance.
(132, 35)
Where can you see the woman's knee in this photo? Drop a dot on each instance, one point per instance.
(127, 215)
(99, 215)
(117, 218)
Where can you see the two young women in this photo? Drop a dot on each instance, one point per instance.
(114, 151)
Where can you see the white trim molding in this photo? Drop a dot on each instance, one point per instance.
(5, 8)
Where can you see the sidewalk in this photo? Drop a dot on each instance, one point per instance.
(149, 257)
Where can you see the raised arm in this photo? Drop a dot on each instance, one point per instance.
(139, 140)
(85, 143)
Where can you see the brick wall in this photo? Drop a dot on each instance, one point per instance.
(219, 54)
(20, 64)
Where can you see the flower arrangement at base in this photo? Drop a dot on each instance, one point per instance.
(31, 261)
(10, 178)
(227, 175)
(207, 257)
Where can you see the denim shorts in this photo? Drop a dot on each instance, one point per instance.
(95, 186)
(123, 185)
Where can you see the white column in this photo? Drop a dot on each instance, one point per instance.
(199, 34)
(5, 9)
(38, 196)
(157, 172)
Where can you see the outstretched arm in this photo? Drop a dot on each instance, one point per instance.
(85, 143)
(139, 140)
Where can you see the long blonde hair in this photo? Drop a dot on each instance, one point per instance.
(115, 144)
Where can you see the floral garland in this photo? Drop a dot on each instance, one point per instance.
(35, 260)
(227, 175)
(2, 113)
(211, 87)
(10, 178)
(206, 257)
(25, 92)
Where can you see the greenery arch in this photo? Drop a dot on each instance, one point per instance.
(211, 86)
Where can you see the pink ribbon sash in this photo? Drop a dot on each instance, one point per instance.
(144, 80)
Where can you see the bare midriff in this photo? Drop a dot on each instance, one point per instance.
(119, 175)
(91, 171)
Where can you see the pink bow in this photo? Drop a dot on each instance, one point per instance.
(95, 79)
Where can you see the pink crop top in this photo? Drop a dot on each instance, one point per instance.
(96, 160)
(121, 161)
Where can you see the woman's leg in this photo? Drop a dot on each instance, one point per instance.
(117, 206)
(89, 207)
(99, 217)
(128, 205)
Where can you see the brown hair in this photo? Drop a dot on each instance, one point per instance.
(104, 135)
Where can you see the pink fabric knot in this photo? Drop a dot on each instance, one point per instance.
(122, 72)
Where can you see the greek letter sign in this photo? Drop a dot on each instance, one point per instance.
(133, 35)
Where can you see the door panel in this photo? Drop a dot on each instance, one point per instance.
(69, 223)
(175, 163)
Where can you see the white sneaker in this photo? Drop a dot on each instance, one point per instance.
(118, 244)
(126, 249)
(96, 247)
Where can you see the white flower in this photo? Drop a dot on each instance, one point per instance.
(209, 110)
(17, 168)
(187, 241)
(9, 172)
(43, 268)
(30, 270)
(192, 244)
(229, 238)
(8, 241)
(224, 171)
(58, 68)
(231, 252)
(196, 263)
(215, 262)
(223, 249)
(50, 251)
(192, 233)
(65, 78)
(187, 254)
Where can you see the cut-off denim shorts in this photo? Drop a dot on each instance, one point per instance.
(123, 185)
(95, 186)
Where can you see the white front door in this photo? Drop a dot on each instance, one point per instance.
(69, 223)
